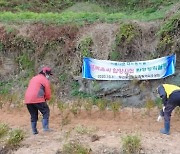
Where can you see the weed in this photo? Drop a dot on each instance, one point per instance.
(15, 138)
(3, 130)
(131, 144)
(75, 148)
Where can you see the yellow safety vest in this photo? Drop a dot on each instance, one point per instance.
(169, 88)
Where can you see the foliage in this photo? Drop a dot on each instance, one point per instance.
(62, 106)
(81, 129)
(15, 138)
(80, 94)
(149, 104)
(126, 33)
(102, 104)
(74, 109)
(25, 62)
(88, 105)
(131, 144)
(59, 6)
(85, 47)
(3, 130)
(75, 148)
(80, 17)
(158, 103)
(115, 55)
(5, 87)
(170, 26)
(115, 106)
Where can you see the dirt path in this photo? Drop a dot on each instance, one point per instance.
(109, 130)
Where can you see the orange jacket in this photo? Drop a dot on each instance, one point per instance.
(38, 90)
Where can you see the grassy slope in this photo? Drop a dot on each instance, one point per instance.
(64, 11)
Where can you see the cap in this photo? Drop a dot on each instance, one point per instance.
(47, 70)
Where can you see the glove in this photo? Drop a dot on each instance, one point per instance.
(159, 118)
(163, 108)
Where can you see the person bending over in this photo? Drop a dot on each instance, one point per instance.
(170, 95)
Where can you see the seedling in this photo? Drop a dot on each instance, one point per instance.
(131, 144)
(88, 106)
(101, 105)
(149, 105)
(74, 109)
(15, 138)
(115, 106)
(76, 148)
(81, 129)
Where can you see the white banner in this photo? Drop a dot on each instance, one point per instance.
(141, 70)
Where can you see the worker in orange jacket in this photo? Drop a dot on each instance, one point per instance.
(37, 93)
(170, 95)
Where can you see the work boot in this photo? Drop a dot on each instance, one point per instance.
(45, 124)
(34, 129)
(166, 128)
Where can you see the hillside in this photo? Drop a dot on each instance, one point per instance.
(59, 34)
(29, 40)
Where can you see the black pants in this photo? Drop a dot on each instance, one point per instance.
(33, 110)
(172, 103)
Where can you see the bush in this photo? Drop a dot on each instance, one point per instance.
(131, 144)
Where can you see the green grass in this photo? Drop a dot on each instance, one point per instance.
(81, 17)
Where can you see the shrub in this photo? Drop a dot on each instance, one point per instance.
(131, 144)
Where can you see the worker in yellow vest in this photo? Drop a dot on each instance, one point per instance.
(170, 95)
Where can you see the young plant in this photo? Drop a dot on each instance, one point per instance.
(149, 105)
(74, 109)
(15, 138)
(88, 105)
(115, 106)
(74, 147)
(102, 104)
(81, 129)
(131, 144)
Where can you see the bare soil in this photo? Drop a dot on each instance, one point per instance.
(110, 131)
